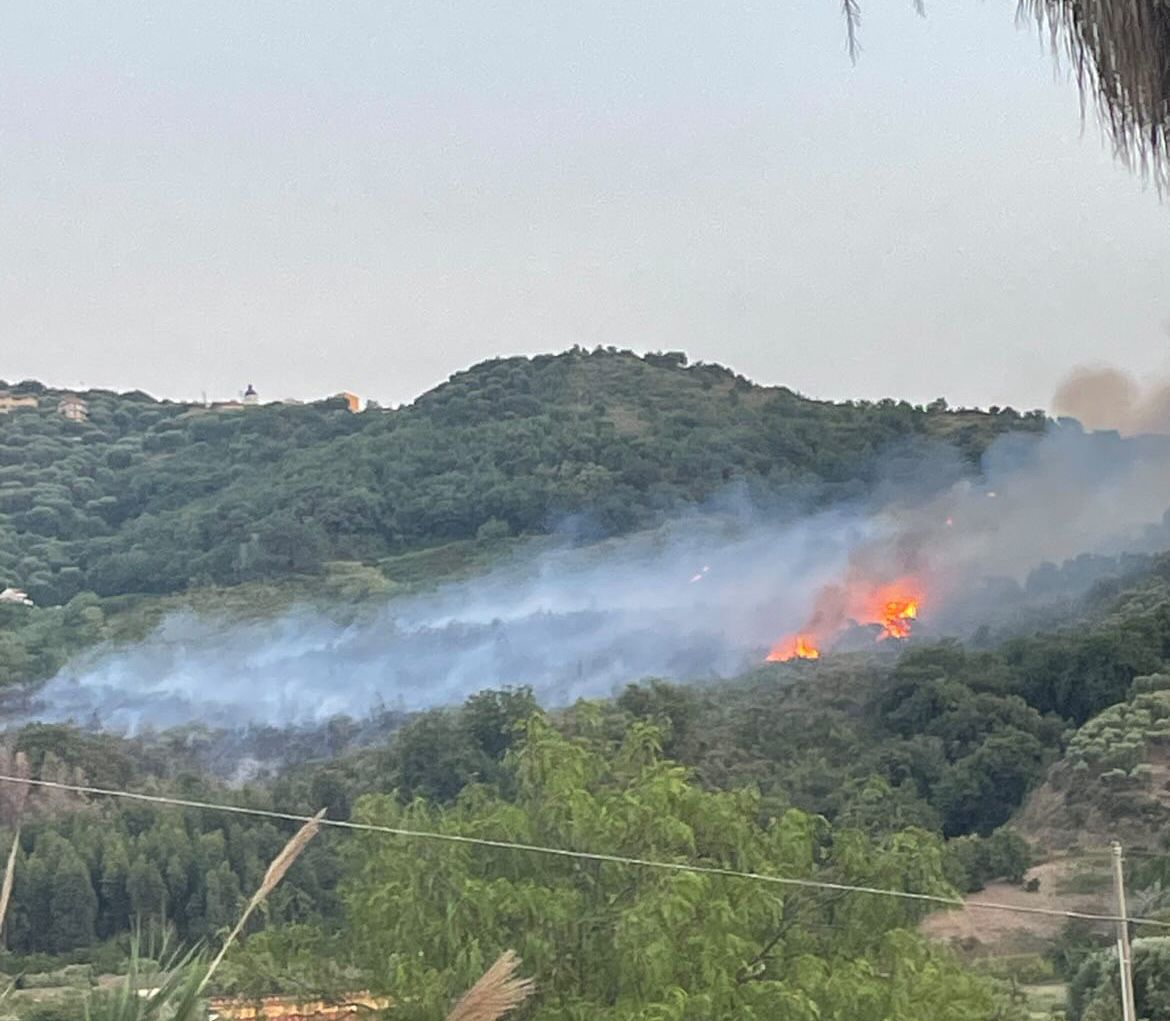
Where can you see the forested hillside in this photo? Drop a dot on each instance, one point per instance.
(901, 768)
(153, 496)
(899, 772)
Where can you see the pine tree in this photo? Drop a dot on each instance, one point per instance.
(148, 892)
(114, 911)
(72, 906)
(224, 898)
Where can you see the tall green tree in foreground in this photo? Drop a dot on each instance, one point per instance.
(609, 941)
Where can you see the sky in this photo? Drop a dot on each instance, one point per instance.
(370, 196)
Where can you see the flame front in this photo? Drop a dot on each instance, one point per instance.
(796, 647)
(893, 607)
(897, 616)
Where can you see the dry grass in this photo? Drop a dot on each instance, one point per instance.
(494, 995)
(9, 876)
(996, 933)
(13, 796)
(276, 872)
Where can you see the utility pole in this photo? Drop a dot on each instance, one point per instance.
(1124, 958)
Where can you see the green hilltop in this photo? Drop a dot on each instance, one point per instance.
(110, 521)
(149, 496)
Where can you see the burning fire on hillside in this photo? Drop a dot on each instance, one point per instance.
(794, 647)
(892, 608)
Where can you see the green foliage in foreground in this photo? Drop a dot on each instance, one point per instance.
(169, 993)
(1094, 995)
(608, 941)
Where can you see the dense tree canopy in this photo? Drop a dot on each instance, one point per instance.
(941, 740)
(618, 941)
(895, 767)
(151, 497)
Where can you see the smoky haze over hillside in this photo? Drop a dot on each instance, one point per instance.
(704, 597)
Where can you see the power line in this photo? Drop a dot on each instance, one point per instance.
(597, 856)
(1100, 852)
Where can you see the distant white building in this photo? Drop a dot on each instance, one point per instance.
(251, 396)
(13, 402)
(73, 408)
(14, 595)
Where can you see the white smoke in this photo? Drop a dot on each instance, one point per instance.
(701, 598)
(577, 622)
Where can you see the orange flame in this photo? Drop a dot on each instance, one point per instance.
(892, 607)
(796, 647)
(896, 617)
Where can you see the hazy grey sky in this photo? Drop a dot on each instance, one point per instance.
(370, 196)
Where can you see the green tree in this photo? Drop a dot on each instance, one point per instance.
(147, 891)
(72, 905)
(980, 791)
(613, 941)
(224, 898)
(492, 718)
(432, 758)
(115, 913)
(1094, 993)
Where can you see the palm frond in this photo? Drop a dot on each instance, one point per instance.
(1119, 51)
(9, 877)
(495, 994)
(174, 998)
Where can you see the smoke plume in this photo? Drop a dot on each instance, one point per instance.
(1108, 398)
(701, 598)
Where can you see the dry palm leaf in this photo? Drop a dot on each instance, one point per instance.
(494, 995)
(9, 875)
(1120, 53)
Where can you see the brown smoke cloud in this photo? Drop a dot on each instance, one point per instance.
(1107, 398)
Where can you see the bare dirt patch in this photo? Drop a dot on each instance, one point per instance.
(1066, 884)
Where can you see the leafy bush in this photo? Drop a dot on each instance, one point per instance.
(1094, 992)
(1112, 747)
(1026, 969)
(613, 942)
(74, 975)
(973, 861)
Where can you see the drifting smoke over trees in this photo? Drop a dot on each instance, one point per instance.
(942, 741)
(149, 499)
(898, 769)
